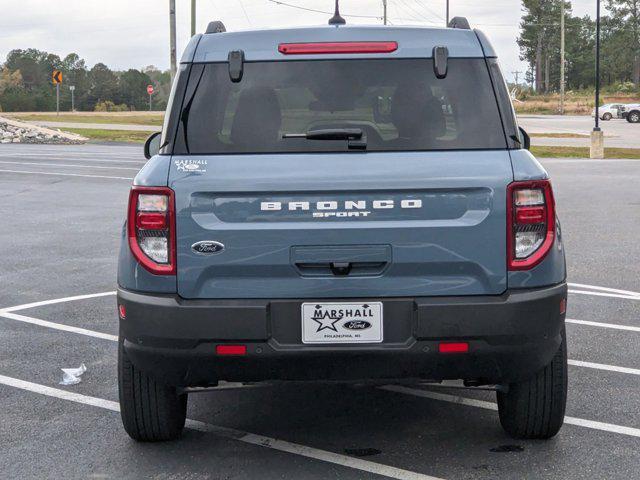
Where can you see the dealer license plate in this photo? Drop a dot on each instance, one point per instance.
(342, 322)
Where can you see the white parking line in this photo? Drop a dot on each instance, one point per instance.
(232, 434)
(57, 326)
(78, 158)
(66, 174)
(69, 165)
(613, 326)
(602, 294)
(56, 300)
(471, 402)
(605, 289)
(66, 153)
(602, 366)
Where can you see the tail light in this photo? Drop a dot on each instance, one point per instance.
(531, 223)
(151, 228)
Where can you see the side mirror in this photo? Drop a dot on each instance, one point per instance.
(152, 145)
(524, 139)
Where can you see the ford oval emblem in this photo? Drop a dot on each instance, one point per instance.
(356, 325)
(207, 247)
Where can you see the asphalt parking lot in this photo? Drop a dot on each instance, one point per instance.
(62, 210)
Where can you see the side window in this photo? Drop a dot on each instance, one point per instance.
(504, 104)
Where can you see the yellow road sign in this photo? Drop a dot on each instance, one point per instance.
(56, 77)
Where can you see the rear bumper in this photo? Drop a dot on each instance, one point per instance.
(510, 336)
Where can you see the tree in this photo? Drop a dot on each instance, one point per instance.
(133, 89)
(625, 17)
(9, 79)
(539, 39)
(103, 85)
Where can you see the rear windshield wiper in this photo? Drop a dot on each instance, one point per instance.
(354, 136)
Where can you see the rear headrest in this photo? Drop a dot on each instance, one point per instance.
(257, 118)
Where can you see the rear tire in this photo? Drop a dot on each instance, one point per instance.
(607, 116)
(150, 411)
(534, 409)
(633, 117)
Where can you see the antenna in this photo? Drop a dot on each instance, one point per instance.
(337, 19)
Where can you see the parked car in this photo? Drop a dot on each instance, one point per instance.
(609, 111)
(321, 206)
(632, 113)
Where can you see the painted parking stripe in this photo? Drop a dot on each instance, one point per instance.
(602, 366)
(70, 165)
(65, 174)
(613, 326)
(232, 434)
(77, 158)
(603, 294)
(66, 153)
(471, 402)
(604, 289)
(57, 326)
(56, 300)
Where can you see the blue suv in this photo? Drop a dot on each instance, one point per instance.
(341, 203)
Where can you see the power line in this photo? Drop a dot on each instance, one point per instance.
(429, 9)
(285, 4)
(245, 12)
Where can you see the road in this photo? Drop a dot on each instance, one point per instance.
(98, 126)
(618, 133)
(62, 209)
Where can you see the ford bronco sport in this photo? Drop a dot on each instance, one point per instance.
(320, 205)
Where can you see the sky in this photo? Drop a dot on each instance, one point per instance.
(135, 33)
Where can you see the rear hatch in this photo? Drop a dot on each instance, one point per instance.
(418, 211)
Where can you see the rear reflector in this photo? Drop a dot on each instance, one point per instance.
(460, 347)
(336, 47)
(563, 306)
(231, 349)
(122, 311)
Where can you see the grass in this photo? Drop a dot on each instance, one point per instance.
(127, 136)
(576, 103)
(129, 118)
(559, 135)
(583, 152)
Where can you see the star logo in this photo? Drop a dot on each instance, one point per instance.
(325, 320)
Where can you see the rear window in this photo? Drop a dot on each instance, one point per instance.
(399, 104)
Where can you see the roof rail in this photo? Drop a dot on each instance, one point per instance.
(459, 22)
(216, 27)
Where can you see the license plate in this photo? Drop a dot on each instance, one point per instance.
(342, 322)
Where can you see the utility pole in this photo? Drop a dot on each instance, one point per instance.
(597, 136)
(517, 75)
(384, 11)
(193, 17)
(172, 37)
(447, 14)
(562, 72)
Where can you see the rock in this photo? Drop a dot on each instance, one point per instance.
(13, 131)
